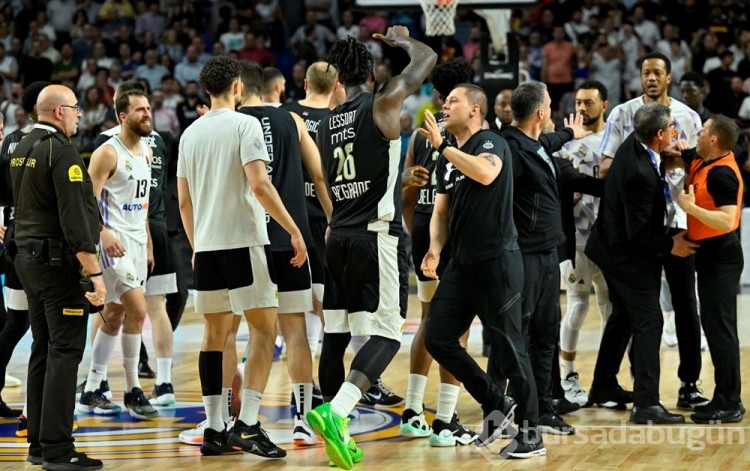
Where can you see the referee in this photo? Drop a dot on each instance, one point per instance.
(57, 229)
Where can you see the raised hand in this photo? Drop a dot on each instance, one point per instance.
(393, 35)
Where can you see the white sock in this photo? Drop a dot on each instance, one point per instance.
(131, 352)
(226, 401)
(213, 406)
(163, 370)
(303, 393)
(250, 406)
(314, 325)
(346, 399)
(567, 366)
(357, 341)
(447, 400)
(25, 410)
(101, 353)
(415, 392)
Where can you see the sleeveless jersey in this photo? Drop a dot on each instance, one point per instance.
(312, 118)
(427, 156)
(124, 202)
(362, 168)
(284, 170)
(156, 211)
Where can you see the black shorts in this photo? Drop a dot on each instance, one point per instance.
(295, 286)
(420, 244)
(403, 276)
(317, 249)
(163, 279)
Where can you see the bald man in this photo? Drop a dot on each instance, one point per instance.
(503, 116)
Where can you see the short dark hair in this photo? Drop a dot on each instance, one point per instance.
(270, 76)
(218, 74)
(726, 131)
(594, 85)
(122, 104)
(353, 61)
(446, 76)
(125, 87)
(527, 98)
(252, 77)
(694, 77)
(476, 96)
(656, 55)
(30, 95)
(649, 120)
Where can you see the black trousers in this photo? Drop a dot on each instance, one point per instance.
(719, 264)
(635, 312)
(680, 274)
(58, 314)
(492, 290)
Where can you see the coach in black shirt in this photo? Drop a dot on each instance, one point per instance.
(474, 209)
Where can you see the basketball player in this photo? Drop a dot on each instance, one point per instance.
(581, 274)
(290, 149)
(360, 147)
(418, 203)
(229, 239)
(121, 176)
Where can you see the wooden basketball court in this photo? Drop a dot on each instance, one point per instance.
(605, 440)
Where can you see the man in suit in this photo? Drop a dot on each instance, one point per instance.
(629, 242)
(503, 114)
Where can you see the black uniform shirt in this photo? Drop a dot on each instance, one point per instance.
(6, 185)
(427, 156)
(284, 170)
(480, 221)
(312, 118)
(53, 191)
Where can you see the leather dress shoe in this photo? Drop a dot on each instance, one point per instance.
(654, 415)
(563, 406)
(614, 398)
(716, 414)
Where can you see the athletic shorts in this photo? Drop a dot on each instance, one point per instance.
(420, 244)
(578, 279)
(15, 297)
(362, 294)
(124, 273)
(295, 287)
(316, 255)
(234, 280)
(162, 279)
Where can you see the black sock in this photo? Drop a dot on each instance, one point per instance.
(209, 369)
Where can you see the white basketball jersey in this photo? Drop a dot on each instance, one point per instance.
(124, 200)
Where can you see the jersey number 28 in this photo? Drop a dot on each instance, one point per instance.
(345, 169)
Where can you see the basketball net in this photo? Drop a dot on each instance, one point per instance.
(439, 16)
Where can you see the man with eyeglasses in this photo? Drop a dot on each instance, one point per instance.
(57, 229)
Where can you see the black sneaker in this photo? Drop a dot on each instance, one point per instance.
(496, 422)
(95, 402)
(145, 371)
(215, 443)
(527, 444)
(554, 424)
(253, 439)
(8, 413)
(380, 395)
(72, 462)
(34, 459)
(689, 397)
(162, 395)
(138, 405)
(451, 434)
(103, 388)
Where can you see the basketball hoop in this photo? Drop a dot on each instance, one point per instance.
(439, 16)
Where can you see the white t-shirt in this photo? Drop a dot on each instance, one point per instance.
(213, 153)
(687, 124)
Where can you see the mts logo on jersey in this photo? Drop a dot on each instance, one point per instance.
(135, 206)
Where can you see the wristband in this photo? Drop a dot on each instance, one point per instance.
(91, 275)
(442, 146)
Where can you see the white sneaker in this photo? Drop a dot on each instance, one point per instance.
(414, 425)
(303, 434)
(669, 332)
(12, 381)
(574, 392)
(194, 436)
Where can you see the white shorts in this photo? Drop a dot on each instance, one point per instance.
(578, 279)
(426, 290)
(127, 272)
(16, 299)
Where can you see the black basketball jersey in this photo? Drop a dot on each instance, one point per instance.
(312, 118)
(480, 222)
(362, 168)
(6, 189)
(427, 156)
(284, 170)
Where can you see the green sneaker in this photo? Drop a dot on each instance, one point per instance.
(335, 433)
(356, 452)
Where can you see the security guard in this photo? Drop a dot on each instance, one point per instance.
(56, 234)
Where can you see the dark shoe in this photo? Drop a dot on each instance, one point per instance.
(379, 395)
(715, 414)
(22, 427)
(215, 443)
(145, 371)
(72, 462)
(654, 415)
(8, 413)
(103, 388)
(162, 395)
(497, 421)
(555, 425)
(527, 444)
(138, 406)
(610, 398)
(34, 459)
(253, 439)
(690, 397)
(563, 406)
